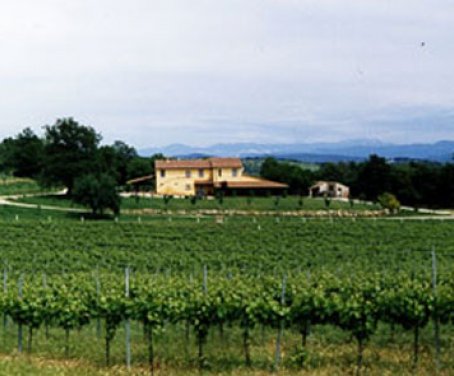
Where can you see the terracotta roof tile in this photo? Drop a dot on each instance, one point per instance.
(199, 163)
(177, 164)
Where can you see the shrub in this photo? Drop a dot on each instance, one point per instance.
(389, 201)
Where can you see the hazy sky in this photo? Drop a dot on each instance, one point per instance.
(154, 72)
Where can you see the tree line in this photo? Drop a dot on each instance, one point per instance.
(414, 183)
(70, 155)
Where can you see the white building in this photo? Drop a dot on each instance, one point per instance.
(330, 189)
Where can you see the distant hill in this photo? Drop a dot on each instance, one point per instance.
(350, 150)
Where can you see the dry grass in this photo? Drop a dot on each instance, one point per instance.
(333, 360)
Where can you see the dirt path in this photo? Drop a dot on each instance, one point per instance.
(10, 201)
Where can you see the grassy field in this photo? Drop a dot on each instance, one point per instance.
(13, 186)
(239, 203)
(327, 357)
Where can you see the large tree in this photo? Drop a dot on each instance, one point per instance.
(70, 151)
(97, 192)
(115, 160)
(297, 178)
(374, 177)
(23, 154)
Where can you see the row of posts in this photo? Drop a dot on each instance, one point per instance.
(280, 332)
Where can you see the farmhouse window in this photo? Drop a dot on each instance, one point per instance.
(188, 173)
(163, 173)
(201, 173)
(234, 172)
(188, 187)
(220, 172)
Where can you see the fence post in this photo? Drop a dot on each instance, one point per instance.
(435, 318)
(5, 291)
(98, 293)
(19, 329)
(205, 279)
(280, 332)
(127, 323)
(46, 323)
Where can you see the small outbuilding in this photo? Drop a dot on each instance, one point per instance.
(330, 189)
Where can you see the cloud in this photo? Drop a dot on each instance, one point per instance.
(206, 71)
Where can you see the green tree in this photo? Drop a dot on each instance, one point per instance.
(98, 193)
(115, 160)
(389, 201)
(374, 177)
(298, 179)
(139, 167)
(23, 155)
(70, 151)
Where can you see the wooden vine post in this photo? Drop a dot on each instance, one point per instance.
(127, 324)
(19, 329)
(98, 293)
(435, 318)
(5, 291)
(280, 332)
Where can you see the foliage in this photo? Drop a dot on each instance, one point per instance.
(23, 155)
(116, 160)
(98, 193)
(389, 201)
(298, 179)
(70, 151)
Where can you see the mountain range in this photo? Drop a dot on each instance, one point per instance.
(349, 150)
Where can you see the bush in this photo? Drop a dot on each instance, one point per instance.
(97, 192)
(389, 201)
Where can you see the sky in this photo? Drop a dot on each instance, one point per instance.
(200, 72)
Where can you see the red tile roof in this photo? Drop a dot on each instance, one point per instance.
(199, 163)
(226, 162)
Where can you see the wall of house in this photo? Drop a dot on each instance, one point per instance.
(227, 174)
(177, 183)
(339, 190)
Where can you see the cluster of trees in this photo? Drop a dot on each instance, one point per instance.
(415, 183)
(70, 155)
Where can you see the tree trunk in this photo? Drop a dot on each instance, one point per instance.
(416, 347)
(359, 364)
(19, 338)
(304, 334)
(107, 350)
(66, 343)
(221, 332)
(246, 346)
(187, 336)
(30, 339)
(149, 334)
(201, 336)
(392, 333)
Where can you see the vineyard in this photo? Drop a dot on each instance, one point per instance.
(251, 294)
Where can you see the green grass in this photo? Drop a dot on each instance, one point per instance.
(17, 186)
(238, 203)
(329, 352)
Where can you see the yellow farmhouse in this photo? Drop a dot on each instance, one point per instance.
(204, 176)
